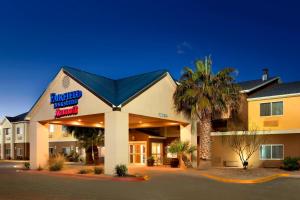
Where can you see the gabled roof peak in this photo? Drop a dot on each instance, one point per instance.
(115, 92)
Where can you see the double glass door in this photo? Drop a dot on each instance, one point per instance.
(137, 153)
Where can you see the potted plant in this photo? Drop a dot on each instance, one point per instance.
(150, 161)
(183, 151)
(174, 162)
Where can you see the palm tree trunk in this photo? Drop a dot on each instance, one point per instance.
(205, 142)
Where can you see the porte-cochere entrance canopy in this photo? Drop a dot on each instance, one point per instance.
(75, 97)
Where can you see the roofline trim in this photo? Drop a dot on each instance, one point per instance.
(258, 86)
(266, 132)
(274, 97)
(4, 118)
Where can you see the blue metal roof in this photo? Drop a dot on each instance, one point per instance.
(115, 92)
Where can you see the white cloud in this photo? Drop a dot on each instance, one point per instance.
(183, 47)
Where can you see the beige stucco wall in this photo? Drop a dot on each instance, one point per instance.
(158, 99)
(88, 104)
(59, 135)
(222, 152)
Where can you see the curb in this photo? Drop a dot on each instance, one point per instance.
(246, 181)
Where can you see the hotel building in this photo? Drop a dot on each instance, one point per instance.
(138, 118)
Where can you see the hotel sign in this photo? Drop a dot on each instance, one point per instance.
(61, 101)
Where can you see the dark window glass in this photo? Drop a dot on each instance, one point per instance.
(265, 109)
(277, 108)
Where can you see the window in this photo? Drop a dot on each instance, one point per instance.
(19, 152)
(66, 150)
(63, 128)
(64, 131)
(265, 109)
(271, 152)
(7, 152)
(269, 109)
(51, 128)
(277, 108)
(18, 130)
(6, 131)
(51, 150)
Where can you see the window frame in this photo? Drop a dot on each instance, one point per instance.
(271, 109)
(264, 159)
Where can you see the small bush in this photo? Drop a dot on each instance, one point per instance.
(98, 170)
(150, 161)
(291, 164)
(84, 171)
(56, 163)
(39, 168)
(121, 170)
(27, 165)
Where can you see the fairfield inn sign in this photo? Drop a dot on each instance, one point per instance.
(61, 101)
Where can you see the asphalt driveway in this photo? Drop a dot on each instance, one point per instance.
(15, 185)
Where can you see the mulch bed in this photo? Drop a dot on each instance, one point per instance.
(129, 178)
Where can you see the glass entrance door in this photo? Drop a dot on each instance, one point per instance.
(156, 151)
(137, 153)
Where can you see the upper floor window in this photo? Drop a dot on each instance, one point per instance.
(273, 108)
(6, 131)
(51, 128)
(18, 130)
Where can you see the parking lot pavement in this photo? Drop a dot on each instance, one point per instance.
(14, 185)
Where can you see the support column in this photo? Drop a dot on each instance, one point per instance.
(2, 144)
(116, 140)
(189, 133)
(39, 145)
(12, 142)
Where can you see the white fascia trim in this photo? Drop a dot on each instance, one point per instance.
(258, 86)
(274, 97)
(266, 132)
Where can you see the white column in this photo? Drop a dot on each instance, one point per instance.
(12, 142)
(189, 133)
(2, 144)
(116, 140)
(39, 145)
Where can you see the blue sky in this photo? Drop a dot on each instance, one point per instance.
(121, 38)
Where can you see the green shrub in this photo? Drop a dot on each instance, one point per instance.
(56, 163)
(121, 170)
(98, 170)
(291, 164)
(27, 165)
(84, 171)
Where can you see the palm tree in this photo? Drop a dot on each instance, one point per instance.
(201, 95)
(90, 139)
(183, 151)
